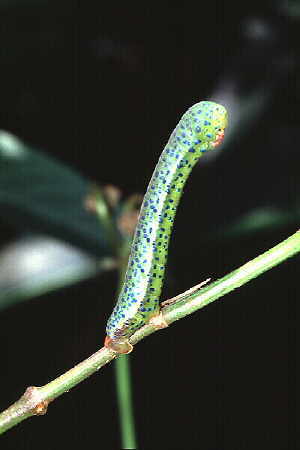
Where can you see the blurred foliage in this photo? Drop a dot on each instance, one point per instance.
(263, 220)
(35, 265)
(38, 194)
(66, 69)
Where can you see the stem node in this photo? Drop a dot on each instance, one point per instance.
(33, 402)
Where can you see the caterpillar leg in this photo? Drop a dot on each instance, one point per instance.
(121, 346)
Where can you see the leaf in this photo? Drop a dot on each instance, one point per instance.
(35, 265)
(263, 219)
(38, 194)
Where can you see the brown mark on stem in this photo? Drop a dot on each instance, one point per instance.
(32, 401)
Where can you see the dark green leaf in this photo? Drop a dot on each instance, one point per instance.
(263, 220)
(38, 194)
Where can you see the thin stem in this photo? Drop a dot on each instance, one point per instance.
(122, 373)
(121, 242)
(125, 405)
(36, 399)
(213, 291)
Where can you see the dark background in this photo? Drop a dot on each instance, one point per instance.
(100, 88)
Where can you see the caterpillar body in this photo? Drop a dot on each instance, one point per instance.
(199, 130)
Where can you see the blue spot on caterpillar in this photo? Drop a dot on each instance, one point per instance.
(138, 302)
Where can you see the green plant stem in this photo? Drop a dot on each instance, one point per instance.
(122, 372)
(122, 365)
(35, 399)
(125, 404)
(105, 218)
(121, 243)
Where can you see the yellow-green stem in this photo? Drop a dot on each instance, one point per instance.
(123, 374)
(35, 400)
(125, 404)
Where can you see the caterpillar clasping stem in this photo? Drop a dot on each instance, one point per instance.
(199, 130)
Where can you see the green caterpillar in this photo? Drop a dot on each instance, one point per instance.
(200, 129)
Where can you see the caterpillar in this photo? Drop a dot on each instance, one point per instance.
(199, 130)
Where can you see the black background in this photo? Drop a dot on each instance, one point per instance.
(100, 87)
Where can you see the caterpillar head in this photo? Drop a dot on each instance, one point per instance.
(208, 120)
